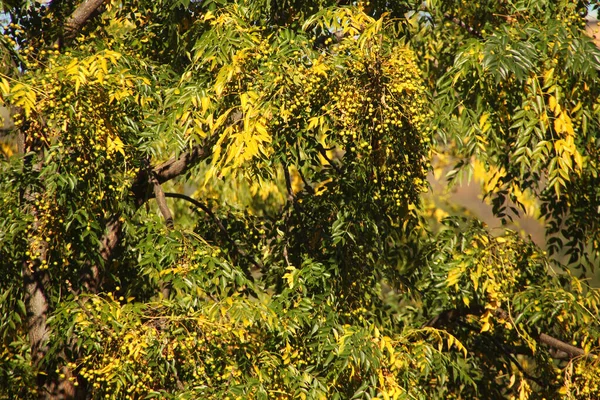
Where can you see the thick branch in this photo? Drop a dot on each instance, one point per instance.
(508, 352)
(572, 351)
(142, 191)
(80, 16)
(450, 316)
(6, 121)
(36, 301)
(162, 202)
(177, 166)
(36, 280)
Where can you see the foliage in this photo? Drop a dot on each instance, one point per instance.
(223, 199)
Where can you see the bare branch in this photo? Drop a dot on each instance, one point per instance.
(178, 165)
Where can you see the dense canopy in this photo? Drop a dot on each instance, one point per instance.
(231, 199)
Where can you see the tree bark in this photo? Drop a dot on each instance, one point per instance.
(36, 285)
(36, 303)
(80, 16)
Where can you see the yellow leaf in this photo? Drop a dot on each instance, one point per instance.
(485, 319)
(563, 124)
(220, 120)
(25, 97)
(485, 327)
(313, 122)
(114, 144)
(244, 100)
(223, 77)
(578, 160)
(512, 381)
(552, 103)
(4, 87)
(483, 119)
(262, 131)
(320, 68)
(460, 347)
(548, 75)
(454, 276)
(184, 117)
(450, 341)
(290, 276)
(205, 103)
(563, 390)
(466, 300)
(559, 146)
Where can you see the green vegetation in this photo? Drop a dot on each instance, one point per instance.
(226, 200)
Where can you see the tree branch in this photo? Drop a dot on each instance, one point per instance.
(142, 191)
(323, 152)
(463, 25)
(80, 16)
(572, 351)
(450, 316)
(178, 165)
(221, 227)
(509, 354)
(288, 183)
(161, 201)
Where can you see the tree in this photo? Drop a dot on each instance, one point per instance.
(224, 199)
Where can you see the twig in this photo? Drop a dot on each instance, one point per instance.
(463, 25)
(323, 152)
(288, 182)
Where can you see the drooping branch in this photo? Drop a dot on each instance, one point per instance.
(80, 16)
(222, 228)
(203, 207)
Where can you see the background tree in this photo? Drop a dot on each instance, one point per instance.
(223, 199)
